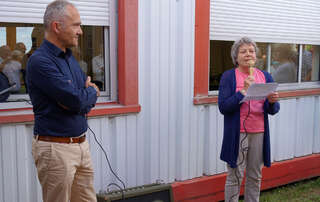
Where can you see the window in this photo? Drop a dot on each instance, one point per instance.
(226, 24)
(98, 45)
(23, 39)
(282, 62)
(310, 63)
(121, 48)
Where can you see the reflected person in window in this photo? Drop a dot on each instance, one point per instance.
(5, 52)
(22, 48)
(246, 140)
(98, 68)
(36, 38)
(12, 69)
(77, 54)
(286, 71)
(61, 96)
(306, 70)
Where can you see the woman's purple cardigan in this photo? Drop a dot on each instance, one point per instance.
(229, 106)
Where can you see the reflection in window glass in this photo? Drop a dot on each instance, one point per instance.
(90, 54)
(220, 60)
(23, 36)
(310, 63)
(284, 63)
(23, 40)
(262, 56)
(3, 36)
(19, 41)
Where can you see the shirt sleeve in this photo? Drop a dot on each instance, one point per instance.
(87, 109)
(46, 76)
(228, 100)
(270, 108)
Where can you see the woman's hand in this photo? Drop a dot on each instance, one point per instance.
(273, 97)
(248, 82)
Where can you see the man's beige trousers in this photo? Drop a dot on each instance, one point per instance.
(65, 171)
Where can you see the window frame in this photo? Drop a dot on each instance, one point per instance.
(202, 95)
(110, 61)
(109, 36)
(127, 71)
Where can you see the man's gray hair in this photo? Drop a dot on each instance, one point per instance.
(236, 45)
(55, 11)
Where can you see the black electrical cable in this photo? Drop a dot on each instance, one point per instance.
(105, 154)
(114, 184)
(243, 150)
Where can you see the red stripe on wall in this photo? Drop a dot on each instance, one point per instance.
(106, 109)
(128, 52)
(211, 188)
(22, 118)
(299, 93)
(282, 94)
(201, 50)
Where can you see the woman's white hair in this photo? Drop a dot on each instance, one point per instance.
(55, 11)
(236, 45)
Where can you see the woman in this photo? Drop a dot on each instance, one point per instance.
(246, 141)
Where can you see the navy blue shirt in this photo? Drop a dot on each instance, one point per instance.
(57, 90)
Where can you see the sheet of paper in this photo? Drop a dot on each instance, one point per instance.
(259, 91)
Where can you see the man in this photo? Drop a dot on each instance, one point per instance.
(61, 96)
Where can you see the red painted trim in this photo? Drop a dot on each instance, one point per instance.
(299, 93)
(101, 110)
(115, 110)
(201, 60)
(199, 188)
(15, 109)
(22, 118)
(128, 52)
(282, 94)
(205, 100)
(280, 173)
(105, 103)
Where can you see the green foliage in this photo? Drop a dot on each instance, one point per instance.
(303, 191)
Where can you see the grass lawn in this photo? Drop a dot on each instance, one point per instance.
(304, 191)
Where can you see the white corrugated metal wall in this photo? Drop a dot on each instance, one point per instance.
(170, 139)
(141, 154)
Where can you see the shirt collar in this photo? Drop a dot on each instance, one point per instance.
(57, 51)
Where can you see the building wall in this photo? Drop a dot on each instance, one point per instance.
(143, 149)
(171, 139)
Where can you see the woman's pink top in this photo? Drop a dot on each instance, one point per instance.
(254, 123)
